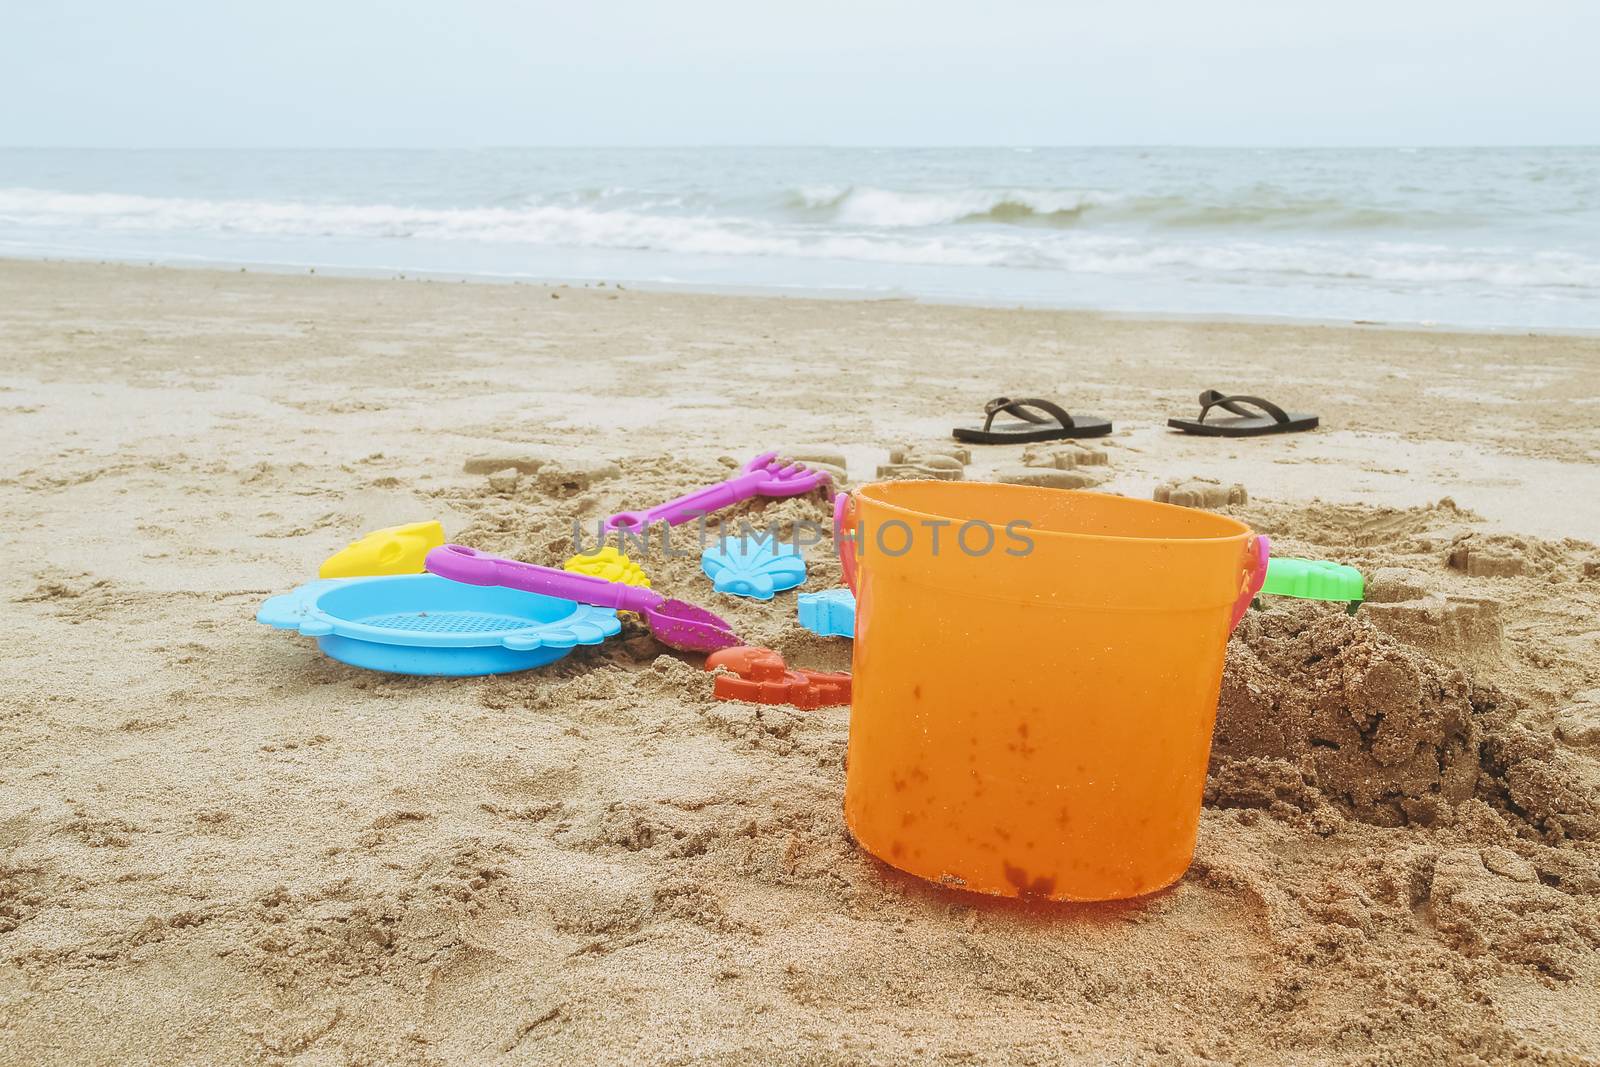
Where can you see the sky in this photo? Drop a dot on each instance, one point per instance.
(475, 73)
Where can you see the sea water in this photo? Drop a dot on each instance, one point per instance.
(1479, 237)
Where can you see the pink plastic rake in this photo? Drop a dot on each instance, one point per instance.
(766, 475)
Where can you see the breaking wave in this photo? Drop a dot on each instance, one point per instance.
(1265, 208)
(866, 225)
(867, 206)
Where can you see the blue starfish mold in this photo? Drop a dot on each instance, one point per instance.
(830, 613)
(755, 567)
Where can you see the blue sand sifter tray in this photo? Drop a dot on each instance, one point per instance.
(424, 624)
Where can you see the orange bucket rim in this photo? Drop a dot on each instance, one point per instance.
(1242, 531)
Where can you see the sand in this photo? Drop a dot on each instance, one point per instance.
(217, 845)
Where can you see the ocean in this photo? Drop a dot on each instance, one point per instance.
(1475, 237)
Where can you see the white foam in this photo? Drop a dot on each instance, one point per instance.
(869, 206)
(863, 224)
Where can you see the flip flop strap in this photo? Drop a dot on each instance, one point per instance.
(1019, 408)
(1213, 399)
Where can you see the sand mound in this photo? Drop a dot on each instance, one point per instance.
(1201, 493)
(1322, 707)
(1318, 701)
(1507, 556)
(1361, 533)
(1463, 630)
(1051, 477)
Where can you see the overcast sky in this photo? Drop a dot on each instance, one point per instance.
(502, 72)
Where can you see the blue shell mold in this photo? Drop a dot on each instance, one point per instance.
(830, 613)
(754, 567)
(424, 624)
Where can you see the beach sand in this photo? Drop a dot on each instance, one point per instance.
(216, 845)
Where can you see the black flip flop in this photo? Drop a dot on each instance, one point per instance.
(1057, 426)
(1244, 423)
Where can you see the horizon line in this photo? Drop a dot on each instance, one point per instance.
(790, 146)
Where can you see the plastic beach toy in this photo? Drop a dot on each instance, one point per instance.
(609, 564)
(393, 550)
(419, 624)
(1315, 579)
(672, 622)
(759, 676)
(756, 567)
(766, 475)
(1032, 714)
(830, 613)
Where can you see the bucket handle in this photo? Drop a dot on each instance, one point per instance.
(1255, 575)
(844, 513)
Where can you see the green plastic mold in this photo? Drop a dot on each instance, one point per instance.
(1315, 579)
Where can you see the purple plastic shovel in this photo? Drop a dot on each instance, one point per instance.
(672, 622)
(766, 475)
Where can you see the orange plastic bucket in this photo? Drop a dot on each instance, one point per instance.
(1036, 680)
